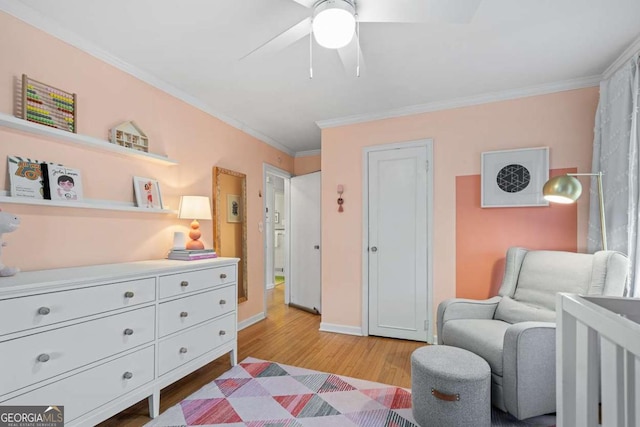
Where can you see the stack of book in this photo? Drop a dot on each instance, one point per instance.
(190, 255)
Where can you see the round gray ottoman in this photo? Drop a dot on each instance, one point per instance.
(450, 386)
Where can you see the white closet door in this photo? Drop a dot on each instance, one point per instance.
(305, 242)
(398, 293)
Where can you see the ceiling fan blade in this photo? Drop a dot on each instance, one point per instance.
(415, 11)
(282, 40)
(349, 57)
(306, 3)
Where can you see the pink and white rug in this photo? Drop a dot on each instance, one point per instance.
(258, 393)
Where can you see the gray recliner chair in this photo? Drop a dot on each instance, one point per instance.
(515, 331)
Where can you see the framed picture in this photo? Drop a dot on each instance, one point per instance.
(234, 208)
(512, 178)
(147, 192)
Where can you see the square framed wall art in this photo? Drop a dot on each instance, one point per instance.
(147, 192)
(514, 178)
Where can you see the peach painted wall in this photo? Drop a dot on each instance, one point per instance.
(563, 121)
(306, 164)
(484, 235)
(60, 237)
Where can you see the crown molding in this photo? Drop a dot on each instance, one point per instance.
(626, 55)
(32, 17)
(308, 153)
(463, 102)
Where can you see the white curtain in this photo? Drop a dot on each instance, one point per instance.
(616, 152)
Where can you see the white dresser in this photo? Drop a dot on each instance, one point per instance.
(98, 339)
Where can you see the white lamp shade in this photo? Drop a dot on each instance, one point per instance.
(194, 207)
(334, 23)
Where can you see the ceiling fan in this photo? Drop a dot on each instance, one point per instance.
(333, 23)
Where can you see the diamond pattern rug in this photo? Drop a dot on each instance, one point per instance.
(258, 393)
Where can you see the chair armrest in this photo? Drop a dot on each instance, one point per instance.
(459, 308)
(529, 369)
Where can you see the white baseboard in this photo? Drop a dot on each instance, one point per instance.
(251, 320)
(341, 329)
(271, 286)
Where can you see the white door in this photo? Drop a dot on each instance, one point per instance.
(305, 242)
(397, 243)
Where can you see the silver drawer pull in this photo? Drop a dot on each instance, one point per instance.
(44, 311)
(44, 357)
(184, 283)
(128, 331)
(223, 302)
(183, 350)
(129, 294)
(184, 314)
(127, 375)
(222, 333)
(223, 276)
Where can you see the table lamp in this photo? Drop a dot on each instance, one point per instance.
(195, 208)
(567, 189)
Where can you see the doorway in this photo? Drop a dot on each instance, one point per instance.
(276, 214)
(397, 218)
(305, 284)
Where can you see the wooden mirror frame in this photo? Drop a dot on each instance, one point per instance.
(219, 217)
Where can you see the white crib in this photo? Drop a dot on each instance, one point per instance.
(598, 360)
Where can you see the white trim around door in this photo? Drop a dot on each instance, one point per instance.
(428, 144)
(268, 169)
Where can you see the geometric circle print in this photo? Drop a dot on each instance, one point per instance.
(513, 178)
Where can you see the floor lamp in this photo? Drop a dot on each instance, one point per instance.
(567, 189)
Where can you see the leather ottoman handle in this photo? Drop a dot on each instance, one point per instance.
(443, 396)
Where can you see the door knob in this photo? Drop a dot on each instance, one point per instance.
(316, 246)
(374, 249)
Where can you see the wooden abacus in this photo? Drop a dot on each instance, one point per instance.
(48, 105)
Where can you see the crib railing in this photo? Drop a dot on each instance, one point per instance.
(597, 361)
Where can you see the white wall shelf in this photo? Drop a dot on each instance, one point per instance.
(85, 141)
(85, 204)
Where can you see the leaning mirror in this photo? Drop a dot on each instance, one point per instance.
(230, 222)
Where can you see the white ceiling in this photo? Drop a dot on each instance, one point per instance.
(193, 48)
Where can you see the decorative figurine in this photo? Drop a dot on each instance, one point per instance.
(8, 223)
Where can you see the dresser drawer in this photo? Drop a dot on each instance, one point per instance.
(180, 349)
(40, 356)
(188, 311)
(95, 387)
(182, 283)
(18, 314)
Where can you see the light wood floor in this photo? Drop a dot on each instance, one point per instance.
(291, 336)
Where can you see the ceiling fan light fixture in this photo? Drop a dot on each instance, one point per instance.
(334, 23)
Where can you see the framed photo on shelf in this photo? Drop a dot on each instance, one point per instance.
(514, 178)
(234, 208)
(147, 191)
